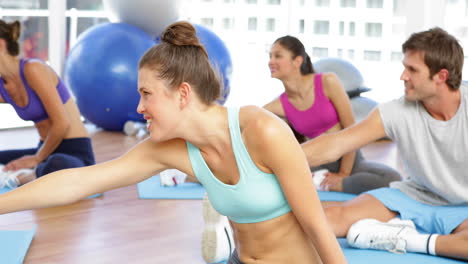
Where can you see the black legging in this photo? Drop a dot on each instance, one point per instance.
(71, 153)
(365, 176)
(234, 258)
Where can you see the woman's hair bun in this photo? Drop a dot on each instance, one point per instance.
(180, 34)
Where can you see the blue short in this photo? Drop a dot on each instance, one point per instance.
(427, 218)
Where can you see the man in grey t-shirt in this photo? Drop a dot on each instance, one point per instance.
(429, 125)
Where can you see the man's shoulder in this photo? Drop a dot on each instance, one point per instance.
(398, 104)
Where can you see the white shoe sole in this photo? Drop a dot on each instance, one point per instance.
(217, 242)
(356, 229)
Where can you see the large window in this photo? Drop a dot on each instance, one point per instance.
(322, 28)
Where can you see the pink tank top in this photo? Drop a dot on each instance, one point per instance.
(312, 122)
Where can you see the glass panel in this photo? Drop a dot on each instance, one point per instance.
(301, 25)
(374, 4)
(321, 27)
(85, 4)
(396, 56)
(320, 52)
(252, 24)
(322, 3)
(374, 29)
(270, 24)
(228, 23)
(372, 55)
(352, 28)
(348, 3)
(24, 4)
(207, 21)
(34, 39)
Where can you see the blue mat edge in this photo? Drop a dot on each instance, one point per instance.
(168, 193)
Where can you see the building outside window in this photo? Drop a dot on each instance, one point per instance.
(207, 21)
(372, 55)
(396, 56)
(274, 2)
(270, 24)
(341, 28)
(373, 29)
(252, 24)
(352, 28)
(347, 3)
(322, 3)
(228, 23)
(319, 52)
(321, 27)
(374, 4)
(301, 26)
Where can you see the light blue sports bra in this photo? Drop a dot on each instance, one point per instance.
(255, 198)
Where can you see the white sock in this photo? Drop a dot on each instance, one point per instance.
(431, 244)
(417, 243)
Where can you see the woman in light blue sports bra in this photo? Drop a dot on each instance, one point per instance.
(248, 160)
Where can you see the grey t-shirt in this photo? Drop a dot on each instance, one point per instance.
(434, 152)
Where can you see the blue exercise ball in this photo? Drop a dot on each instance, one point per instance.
(102, 71)
(219, 56)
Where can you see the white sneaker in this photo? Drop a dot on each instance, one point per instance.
(12, 177)
(318, 178)
(217, 242)
(3, 176)
(373, 234)
(172, 177)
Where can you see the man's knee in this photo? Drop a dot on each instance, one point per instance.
(462, 229)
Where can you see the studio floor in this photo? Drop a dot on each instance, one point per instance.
(118, 227)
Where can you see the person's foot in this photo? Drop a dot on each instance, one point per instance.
(318, 177)
(217, 241)
(21, 177)
(3, 176)
(172, 177)
(373, 234)
(13, 179)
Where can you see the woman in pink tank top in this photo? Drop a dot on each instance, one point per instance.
(316, 103)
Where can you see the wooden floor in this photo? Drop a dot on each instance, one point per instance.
(118, 227)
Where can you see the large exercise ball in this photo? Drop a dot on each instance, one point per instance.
(102, 71)
(219, 56)
(150, 15)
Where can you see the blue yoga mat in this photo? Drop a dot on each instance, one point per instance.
(358, 256)
(14, 245)
(4, 190)
(335, 196)
(152, 189)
